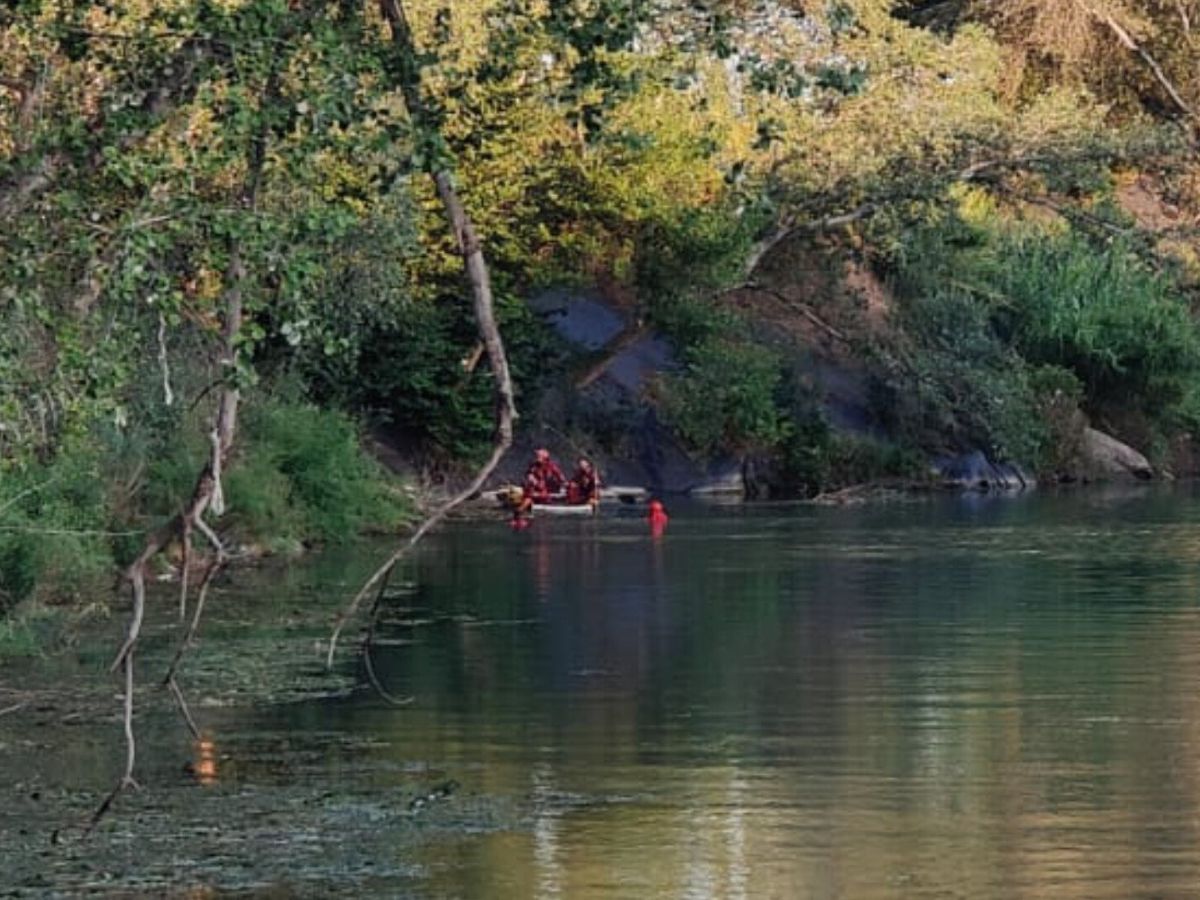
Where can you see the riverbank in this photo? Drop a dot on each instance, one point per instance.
(237, 808)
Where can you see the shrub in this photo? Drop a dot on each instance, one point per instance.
(1099, 312)
(303, 475)
(54, 528)
(950, 383)
(300, 474)
(1058, 394)
(412, 376)
(1054, 298)
(725, 399)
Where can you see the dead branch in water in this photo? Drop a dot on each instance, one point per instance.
(127, 781)
(483, 308)
(206, 496)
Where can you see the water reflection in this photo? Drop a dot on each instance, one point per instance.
(963, 699)
(205, 766)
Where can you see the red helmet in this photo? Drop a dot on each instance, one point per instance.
(541, 453)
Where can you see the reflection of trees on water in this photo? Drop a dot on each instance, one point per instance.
(992, 707)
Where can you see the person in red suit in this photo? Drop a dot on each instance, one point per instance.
(584, 486)
(657, 517)
(543, 479)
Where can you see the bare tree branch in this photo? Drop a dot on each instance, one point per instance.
(1126, 40)
(483, 308)
(1185, 21)
(127, 781)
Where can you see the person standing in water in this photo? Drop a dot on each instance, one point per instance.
(657, 517)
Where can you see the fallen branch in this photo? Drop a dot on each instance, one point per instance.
(1185, 21)
(796, 305)
(127, 781)
(506, 414)
(204, 494)
(218, 561)
(177, 693)
(597, 363)
(483, 308)
(377, 684)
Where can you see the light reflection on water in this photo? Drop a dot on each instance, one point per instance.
(959, 699)
(952, 698)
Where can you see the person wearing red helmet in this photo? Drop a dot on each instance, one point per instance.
(657, 517)
(584, 486)
(543, 479)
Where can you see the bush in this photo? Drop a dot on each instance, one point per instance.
(692, 255)
(1058, 394)
(54, 528)
(1056, 299)
(1122, 329)
(1013, 331)
(412, 376)
(949, 383)
(302, 475)
(814, 459)
(725, 400)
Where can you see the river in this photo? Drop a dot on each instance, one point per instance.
(953, 697)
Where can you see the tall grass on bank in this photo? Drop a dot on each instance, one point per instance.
(1010, 334)
(300, 476)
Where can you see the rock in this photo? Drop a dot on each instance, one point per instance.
(975, 472)
(722, 480)
(1104, 456)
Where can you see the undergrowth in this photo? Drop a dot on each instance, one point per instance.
(299, 476)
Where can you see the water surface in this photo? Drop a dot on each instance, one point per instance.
(948, 698)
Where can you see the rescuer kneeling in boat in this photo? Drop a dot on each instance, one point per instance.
(584, 486)
(543, 480)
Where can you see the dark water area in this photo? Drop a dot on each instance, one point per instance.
(960, 697)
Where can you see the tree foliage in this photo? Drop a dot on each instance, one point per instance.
(658, 146)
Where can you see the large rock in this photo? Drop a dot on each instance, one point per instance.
(975, 472)
(1103, 456)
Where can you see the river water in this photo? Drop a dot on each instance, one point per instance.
(958, 697)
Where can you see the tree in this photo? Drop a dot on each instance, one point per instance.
(185, 196)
